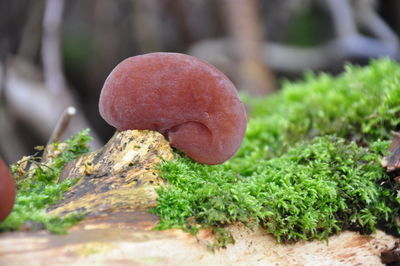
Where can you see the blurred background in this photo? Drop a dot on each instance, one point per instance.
(57, 53)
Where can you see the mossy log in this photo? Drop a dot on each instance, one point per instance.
(116, 188)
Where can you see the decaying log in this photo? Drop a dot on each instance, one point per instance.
(119, 176)
(117, 186)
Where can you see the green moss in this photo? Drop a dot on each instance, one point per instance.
(40, 189)
(363, 104)
(309, 165)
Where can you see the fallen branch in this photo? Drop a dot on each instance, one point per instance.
(294, 60)
(348, 45)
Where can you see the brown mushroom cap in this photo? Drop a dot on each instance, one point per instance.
(189, 101)
(7, 191)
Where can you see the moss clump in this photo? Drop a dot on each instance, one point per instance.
(308, 167)
(39, 188)
(362, 104)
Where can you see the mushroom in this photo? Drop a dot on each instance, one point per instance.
(193, 104)
(7, 191)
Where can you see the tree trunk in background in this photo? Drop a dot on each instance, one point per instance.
(246, 30)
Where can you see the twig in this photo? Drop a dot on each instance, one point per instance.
(59, 129)
(62, 125)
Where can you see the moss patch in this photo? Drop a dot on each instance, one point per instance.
(308, 167)
(39, 188)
